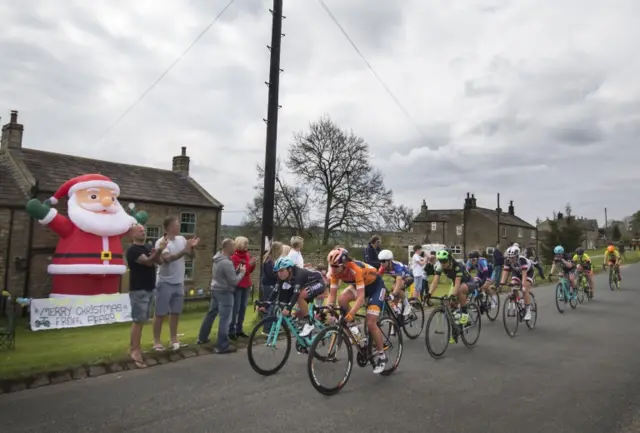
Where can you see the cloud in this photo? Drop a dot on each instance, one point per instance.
(537, 100)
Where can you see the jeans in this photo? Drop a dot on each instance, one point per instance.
(540, 270)
(240, 299)
(497, 273)
(417, 286)
(266, 293)
(221, 304)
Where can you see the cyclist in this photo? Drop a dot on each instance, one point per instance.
(566, 264)
(519, 267)
(402, 275)
(584, 265)
(369, 287)
(484, 272)
(612, 256)
(463, 282)
(297, 285)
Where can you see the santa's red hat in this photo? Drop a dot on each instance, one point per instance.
(85, 181)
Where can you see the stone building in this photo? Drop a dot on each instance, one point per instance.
(484, 227)
(26, 247)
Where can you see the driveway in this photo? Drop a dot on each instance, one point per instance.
(576, 372)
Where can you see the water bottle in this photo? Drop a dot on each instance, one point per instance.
(521, 303)
(356, 333)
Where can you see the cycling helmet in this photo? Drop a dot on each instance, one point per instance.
(385, 255)
(283, 263)
(580, 251)
(337, 257)
(513, 251)
(474, 255)
(611, 248)
(443, 255)
(558, 250)
(516, 245)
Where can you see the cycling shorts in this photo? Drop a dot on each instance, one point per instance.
(516, 277)
(315, 290)
(375, 295)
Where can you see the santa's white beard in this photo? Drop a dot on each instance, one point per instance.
(100, 224)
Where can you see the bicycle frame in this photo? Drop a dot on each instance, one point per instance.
(288, 321)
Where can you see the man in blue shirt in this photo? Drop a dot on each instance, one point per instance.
(498, 263)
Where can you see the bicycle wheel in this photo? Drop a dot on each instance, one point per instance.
(474, 326)
(510, 314)
(492, 312)
(612, 279)
(534, 312)
(438, 321)
(581, 288)
(561, 301)
(336, 338)
(269, 343)
(414, 324)
(573, 298)
(392, 341)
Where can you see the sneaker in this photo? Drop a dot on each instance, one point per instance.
(527, 315)
(230, 349)
(464, 319)
(381, 363)
(494, 302)
(407, 311)
(307, 329)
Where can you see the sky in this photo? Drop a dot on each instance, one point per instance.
(533, 99)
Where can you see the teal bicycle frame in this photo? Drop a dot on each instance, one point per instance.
(567, 296)
(304, 342)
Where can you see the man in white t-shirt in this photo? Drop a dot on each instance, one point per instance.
(170, 281)
(417, 268)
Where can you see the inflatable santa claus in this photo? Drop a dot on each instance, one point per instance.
(88, 259)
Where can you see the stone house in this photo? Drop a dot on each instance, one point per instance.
(26, 247)
(484, 227)
(591, 234)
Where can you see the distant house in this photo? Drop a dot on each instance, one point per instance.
(484, 227)
(26, 247)
(589, 227)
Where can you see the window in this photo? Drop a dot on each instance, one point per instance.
(504, 232)
(456, 249)
(459, 230)
(187, 223)
(153, 234)
(533, 234)
(188, 268)
(434, 227)
(520, 233)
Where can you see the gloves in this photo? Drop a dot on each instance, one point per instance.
(141, 217)
(36, 209)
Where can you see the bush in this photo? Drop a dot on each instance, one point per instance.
(569, 236)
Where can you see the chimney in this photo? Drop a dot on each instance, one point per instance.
(511, 208)
(181, 163)
(473, 201)
(424, 208)
(12, 133)
(467, 202)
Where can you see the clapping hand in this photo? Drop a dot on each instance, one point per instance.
(193, 242)
(241, 268)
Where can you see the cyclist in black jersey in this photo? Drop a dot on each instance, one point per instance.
(566, 264)
(297, 285)
(521, 270)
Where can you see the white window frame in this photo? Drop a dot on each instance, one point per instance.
(456, 249)
(189, 265)
(520, 233)
(458, 230)
(504, 231)
(533, 234)
(183, 222)
(434, 227)
(152, 239)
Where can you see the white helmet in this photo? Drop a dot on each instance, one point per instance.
(385, 255)
(513, 251)
(516, 245)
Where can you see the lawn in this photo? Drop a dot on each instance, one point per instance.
(56, 349)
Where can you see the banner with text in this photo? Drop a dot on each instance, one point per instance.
(75, 312)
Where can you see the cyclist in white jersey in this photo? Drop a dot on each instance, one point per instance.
(521, 270)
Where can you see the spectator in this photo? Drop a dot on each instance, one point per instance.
(417, 268)
(286, 249)
(170, 284)
(535, 260)
(241, 295)
(142, 261)
(498, 263)
(294, 253)
(621, 249)
(269, 276)
(224, 280)
(429, 269)
(371, 252)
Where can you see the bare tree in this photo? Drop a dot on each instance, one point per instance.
(291, 204)
(538, 221)
(567, 209)
(399, 218)
(335, 165)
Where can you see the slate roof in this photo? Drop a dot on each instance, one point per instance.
(444, 215)
(10, 192)
(136, 183)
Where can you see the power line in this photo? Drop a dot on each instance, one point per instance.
(175, 62)
(364, 59)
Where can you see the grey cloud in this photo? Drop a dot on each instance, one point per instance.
(585, 133)
(473, 89)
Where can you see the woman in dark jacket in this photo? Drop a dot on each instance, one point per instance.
(269, 276)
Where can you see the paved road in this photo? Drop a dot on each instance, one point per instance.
(577, 372)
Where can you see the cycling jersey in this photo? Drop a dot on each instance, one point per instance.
(355, 272)
(521, 267)
(558, 261)
(300, 279)
(611, 257)
(398, 270)
(456, 269)
(584, 261)
(483, 268)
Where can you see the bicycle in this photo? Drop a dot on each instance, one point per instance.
(514, 307)
(614, 280)
(484, 304)
(565, 293)
(277, 320)
(583, 286)
(415, 321)
(451, 328)
(340, 334)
